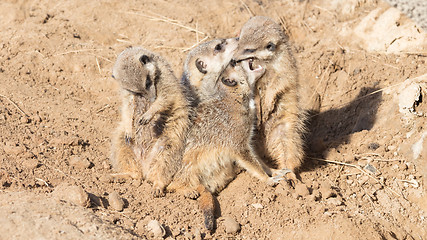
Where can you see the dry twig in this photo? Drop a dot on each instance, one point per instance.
(361, 170)
(247, 8)
(14, 104)
(78, 51)
(166, 20)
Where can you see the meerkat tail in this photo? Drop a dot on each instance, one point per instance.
(207, 205)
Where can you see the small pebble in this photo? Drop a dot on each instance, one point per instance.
(197, 234)
(156, 228)
(327, 191)
(11, 149)
(24, 120)
(30, 163)
(315, 196)
(78, 162)
(106, 178)
(140, 226)
(73, 194)
(403, 166)
(391, 148)
(115, 201)
(370, 168)
(315, 185)
(257, 205)
(363, 179)
(373, 146)
(334, 201)
(301, 190)
(231, 226)
(106, 165)
(188, 235)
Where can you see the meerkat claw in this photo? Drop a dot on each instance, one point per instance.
(283, 172)
(280, 175)
(128, 139)
(192, 194)
(157, 192)
(145, 119)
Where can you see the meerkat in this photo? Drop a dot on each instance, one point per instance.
(206, 62)
(220, 137)
(280, 118)
(155, 118)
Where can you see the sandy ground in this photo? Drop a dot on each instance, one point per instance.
(366, 167)
(415, 9)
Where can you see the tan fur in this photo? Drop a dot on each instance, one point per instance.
(221, 134)
(280, 118)
(155, 119)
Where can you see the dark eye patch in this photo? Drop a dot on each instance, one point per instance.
(271, 46)
(201, 66)
(144, 59)
(228, 82)
(249, 50)
(148, 82)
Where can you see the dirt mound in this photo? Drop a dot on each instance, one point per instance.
(365, 170)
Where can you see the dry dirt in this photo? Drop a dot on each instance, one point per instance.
(59, 106)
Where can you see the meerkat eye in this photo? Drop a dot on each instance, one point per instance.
(218, 47)
(201, 66)
(228, 82)
(144, 59)
(113, 76)
(271, 46)
(249, 50)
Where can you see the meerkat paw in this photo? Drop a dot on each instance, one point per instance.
(286, 174)
(145, 118)
(191, 193)
(157, 192)
(280, 175)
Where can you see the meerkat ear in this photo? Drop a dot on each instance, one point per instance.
(144, 59)
(201, 66)
(228, 82)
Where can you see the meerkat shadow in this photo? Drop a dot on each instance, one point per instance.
(332, 128)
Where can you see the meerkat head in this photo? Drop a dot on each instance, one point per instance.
(208, 60)
(136, 71)
(237, 78)
(260, 39)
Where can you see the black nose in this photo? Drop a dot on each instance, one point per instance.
(233, 62)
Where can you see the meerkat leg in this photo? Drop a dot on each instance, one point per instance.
(158, 173)
(122, 157)
(187, 178)
(127, 112)
(284, 140)
(248, 160)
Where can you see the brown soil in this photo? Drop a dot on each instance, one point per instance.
(59, 106)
